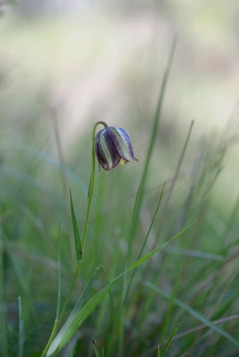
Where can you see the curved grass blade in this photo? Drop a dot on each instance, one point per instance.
(173, 333)
(77, 308)
(77, 238)
(67, 333)
(193, 312)
(97, 353)
(59, 277)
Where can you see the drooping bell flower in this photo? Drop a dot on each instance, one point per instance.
(113, 146)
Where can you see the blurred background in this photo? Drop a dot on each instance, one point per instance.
(89, 60)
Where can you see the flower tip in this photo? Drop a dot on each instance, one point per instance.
(123, 161)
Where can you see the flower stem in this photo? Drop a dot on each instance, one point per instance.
(90, 195)
(92, 180)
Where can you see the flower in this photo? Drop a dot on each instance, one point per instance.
(113, 146)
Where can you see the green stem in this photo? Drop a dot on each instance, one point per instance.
(92, 180)
(90, 195)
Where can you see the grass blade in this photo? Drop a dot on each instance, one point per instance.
(144, 243)
(175, 177)
(173, 333)
(159, 353)
(77, 238)
(59, 278)
(21, 280)
(193, 313)
(62, 339)
(76, 309)
(140, 193)
(3, 312)
(97, 353)
(21, 328)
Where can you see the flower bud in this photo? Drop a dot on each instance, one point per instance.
(113, 146)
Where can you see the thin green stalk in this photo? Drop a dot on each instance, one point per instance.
(3, 309)
(144, 244)
(92, 180)
(159, 354)
(90, 195)
(174, 180)
(173, 333)
(97, 353)
(21, 328)
(121, 326)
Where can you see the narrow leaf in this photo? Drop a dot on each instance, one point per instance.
(173, 333)
(77, 238)
(59, 278)
(97, 354)
(76, 309)
(144, 243)
(21, 328)
(60, 341)
(3, 308)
